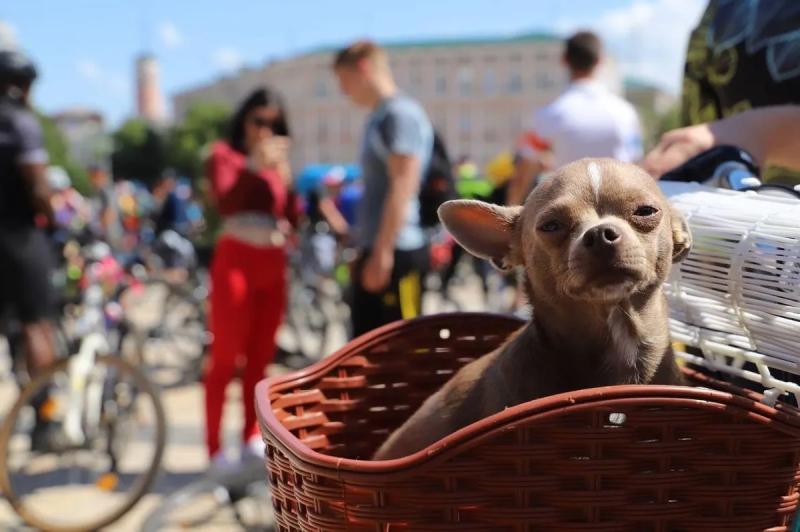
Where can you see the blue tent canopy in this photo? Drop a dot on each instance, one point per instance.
(311, 175)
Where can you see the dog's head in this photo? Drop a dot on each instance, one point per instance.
(598, 230)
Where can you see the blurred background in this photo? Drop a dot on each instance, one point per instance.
(162, 77)
(134, 94)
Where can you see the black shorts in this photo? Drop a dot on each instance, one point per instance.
(402, 299)
(26, 266)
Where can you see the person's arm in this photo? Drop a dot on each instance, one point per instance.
(525, 171)
(534, 154)
(770, 134)
(32, 163)
(223, 177)
(403, 140)
(35, 175)
(404, 178)
(332, 215)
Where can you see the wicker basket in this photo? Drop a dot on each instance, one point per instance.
(611, 459)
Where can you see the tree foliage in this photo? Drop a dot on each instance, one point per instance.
(139, 152)
(58, 152)
(187, 141)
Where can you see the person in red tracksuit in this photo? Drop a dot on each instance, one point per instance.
(251, 187)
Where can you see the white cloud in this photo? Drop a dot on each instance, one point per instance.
(115, 82)
(170, 35)
(647, 38)
(8, 35)
(89, 69)
(227, 58)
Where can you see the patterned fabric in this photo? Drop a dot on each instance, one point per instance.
(743, 54)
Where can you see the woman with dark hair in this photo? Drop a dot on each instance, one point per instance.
(251, 187)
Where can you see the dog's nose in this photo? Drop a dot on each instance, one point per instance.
(601, 236)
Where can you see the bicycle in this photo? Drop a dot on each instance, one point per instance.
(166, 327)
(90, 430)
(235, 497)
(317, 306)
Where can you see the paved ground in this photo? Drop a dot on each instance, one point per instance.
(185, 457)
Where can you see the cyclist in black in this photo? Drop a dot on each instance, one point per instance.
(25, 258)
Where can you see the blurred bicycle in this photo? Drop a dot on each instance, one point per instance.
(84, 440)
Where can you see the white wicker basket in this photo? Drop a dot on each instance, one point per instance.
(737, 295)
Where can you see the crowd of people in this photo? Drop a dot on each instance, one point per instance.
(385, 217)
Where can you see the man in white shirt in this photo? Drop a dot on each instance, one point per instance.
(586, 120)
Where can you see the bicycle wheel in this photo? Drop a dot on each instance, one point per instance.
(172, 339)
(63, 472)
(304, 332)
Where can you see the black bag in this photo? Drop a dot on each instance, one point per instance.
(438, 184)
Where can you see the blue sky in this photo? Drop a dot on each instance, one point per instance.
(86, 48)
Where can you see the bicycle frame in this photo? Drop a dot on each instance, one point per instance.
(80, 366)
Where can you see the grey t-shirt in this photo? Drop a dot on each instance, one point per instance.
(398, 125)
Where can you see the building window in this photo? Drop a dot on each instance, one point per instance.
(464, 81)
(322, 131)
(415, 80)
(464, 125)
(345, 135)
(321, 89)
(544, 81)
(489, 82)
(515, 83)
(441, 84)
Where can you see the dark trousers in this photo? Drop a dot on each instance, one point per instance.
(401, 299)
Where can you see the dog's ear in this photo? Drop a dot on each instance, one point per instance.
(681, 235)
(485, 230)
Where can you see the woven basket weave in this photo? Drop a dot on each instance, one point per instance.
(736, 296)
(610, 459)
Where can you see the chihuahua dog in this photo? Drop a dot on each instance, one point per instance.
(596, 242)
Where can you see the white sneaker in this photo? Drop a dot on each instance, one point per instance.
(221, 464)
(254, 448)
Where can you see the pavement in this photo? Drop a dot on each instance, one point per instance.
(185, 455)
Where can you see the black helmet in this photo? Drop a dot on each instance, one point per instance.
(16, 68)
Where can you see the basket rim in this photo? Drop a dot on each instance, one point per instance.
(728, 398)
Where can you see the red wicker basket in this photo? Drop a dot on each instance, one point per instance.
(618, 458)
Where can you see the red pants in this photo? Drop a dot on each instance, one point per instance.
(248, 298)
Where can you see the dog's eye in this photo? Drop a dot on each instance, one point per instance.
(645, 210)
(550, 226)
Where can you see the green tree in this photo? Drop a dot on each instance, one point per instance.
(187, 141)
(139, 152)
(58, 153)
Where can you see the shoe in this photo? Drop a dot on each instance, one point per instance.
(46, 437)
(253, 449)
(220, 465)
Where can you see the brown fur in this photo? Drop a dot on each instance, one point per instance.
(599, 317)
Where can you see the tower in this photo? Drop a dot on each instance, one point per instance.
(149, 104)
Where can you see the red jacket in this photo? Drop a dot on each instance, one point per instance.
(237, 189)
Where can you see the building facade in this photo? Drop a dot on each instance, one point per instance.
(85, 133)
(478, 93)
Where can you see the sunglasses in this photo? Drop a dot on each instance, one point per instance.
(276, 125)
(262, 122)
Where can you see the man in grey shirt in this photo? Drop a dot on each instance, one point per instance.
(395, 153)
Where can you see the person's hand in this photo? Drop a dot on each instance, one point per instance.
(270, 153)
(678, 146)
(377, 271)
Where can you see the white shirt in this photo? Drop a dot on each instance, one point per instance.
(586, 120)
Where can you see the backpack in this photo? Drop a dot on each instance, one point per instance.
(437, 184)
